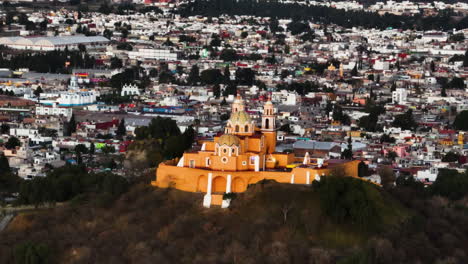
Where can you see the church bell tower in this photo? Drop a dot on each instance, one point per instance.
(269, 126)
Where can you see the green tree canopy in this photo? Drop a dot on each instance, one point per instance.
(461, 120)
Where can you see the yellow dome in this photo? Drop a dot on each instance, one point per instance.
(229, 140)
(240, 117)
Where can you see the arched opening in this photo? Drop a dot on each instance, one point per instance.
(254, 180)
(238, 185)
(237, 128)
(267, 123)
(219, 184)
(246, 128)
(202, 183)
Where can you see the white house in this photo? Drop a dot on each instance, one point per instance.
(399, 96)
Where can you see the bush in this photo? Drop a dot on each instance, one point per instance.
(31, 253)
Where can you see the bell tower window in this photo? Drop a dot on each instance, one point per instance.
(267, 123)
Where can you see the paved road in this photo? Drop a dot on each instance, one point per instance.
(5, 221)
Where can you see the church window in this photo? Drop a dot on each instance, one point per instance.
(233, 150)
(224, 150)
(252, 160)
(237, 128)
(224, 160)
(244, 163)
(267, 123)
(208, 162)
(246, 128)
(192, 163)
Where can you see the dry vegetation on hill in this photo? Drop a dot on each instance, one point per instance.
(270, 223)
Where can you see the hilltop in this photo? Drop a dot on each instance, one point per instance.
(269, 223)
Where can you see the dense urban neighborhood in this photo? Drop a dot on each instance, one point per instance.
(292, 131)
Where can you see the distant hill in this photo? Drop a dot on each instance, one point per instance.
(270, 223)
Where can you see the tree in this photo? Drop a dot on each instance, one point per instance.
(338, 115)
(363, 169)
(38, 91)
(216, 90)
(4, 165)
(108, 149)
(116, 63)
(121, 129)
(211, 76)
(69, 127)
(81, 148)
(245, 76)
(227, 74)
(461, 120)
(79, 158)
(92, 148)
(387, 177)
(391, 155)
(354, 71)
(31, 253)
(348, 153)
(244, 34)
(456, 83)
(451, 157)
(443, 92)
(4, 129)
(405, 121)
(285, 128)
(465, 59)
(385, 138)
(12, 143)
(228, 55)
(107, 33)
(194, 75)
(432, 66)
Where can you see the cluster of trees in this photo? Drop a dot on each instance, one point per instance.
(51, 61)
(163, 139)
(301, 88)
(125, 8)
(370, 122)
(12, 143)
(461, 121)
(405, 121)
(29, 252)
(321, 14)
(65, 183)
(450, 184)
(243, 76)
(349, 200)
(9, 182)
(339, 115)
(10, 93)
(133, 75)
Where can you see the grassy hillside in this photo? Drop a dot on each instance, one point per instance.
(270, 223)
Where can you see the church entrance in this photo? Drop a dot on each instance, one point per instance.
(219, 184)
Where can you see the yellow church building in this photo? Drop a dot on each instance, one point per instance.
(244, 154)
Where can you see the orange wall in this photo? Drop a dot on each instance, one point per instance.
(195, 180)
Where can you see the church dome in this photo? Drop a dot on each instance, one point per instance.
(240, 117)
(228, 140)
